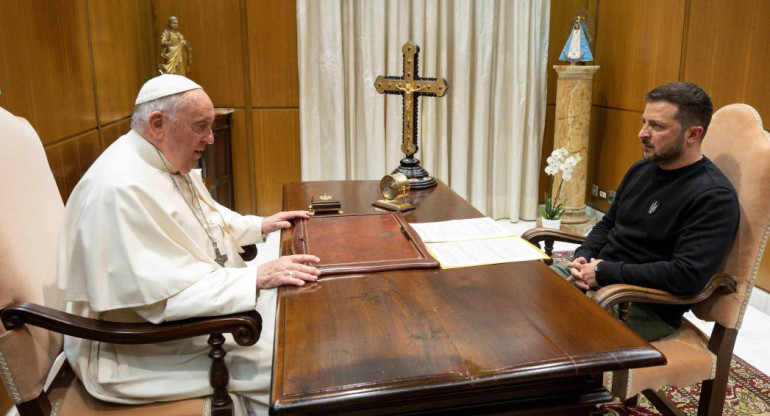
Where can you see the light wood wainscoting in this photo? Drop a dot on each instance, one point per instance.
(77, 68)
(78, 65)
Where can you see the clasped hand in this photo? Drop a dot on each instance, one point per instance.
(582, 273)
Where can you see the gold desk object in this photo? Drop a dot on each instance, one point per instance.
(325, 204)
(394, 188)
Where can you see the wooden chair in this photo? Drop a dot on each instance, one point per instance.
(738, 145)
(30, 302)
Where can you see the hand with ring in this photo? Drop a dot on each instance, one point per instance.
(287, 270)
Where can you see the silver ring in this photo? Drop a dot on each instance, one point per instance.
(289, 273)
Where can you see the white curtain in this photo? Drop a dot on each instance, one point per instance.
(483, 138)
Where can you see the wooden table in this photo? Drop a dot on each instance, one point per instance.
(504, 339)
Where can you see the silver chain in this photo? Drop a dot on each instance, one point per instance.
(195, 208)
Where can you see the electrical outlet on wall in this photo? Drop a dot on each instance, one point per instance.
(602, 194)
(611, 196)
(594, 190)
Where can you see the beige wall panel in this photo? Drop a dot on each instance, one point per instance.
(113, 131)
(562, 12)
(213, 29)
(45, 75)
(240, 152)
(638, 46)
(273, 53)
(123, 51)
(727, 51)
(615, 148)
(277, 160)
(70, 159)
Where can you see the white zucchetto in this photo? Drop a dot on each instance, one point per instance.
(163, 86)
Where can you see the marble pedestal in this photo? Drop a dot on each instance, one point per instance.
(573, 117)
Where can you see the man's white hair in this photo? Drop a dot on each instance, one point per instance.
(167, 105)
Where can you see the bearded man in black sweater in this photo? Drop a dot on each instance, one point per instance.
(673, 218)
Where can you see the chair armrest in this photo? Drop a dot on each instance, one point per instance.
(611, 295)
(245, 327)
(538, 234)
(548, 236)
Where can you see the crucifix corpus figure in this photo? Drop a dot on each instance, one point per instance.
(410, 86)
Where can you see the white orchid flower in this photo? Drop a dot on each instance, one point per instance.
(562, 161)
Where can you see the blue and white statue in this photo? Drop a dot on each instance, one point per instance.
(576, 49)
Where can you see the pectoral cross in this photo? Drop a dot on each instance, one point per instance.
(410, 86)
(220, 258)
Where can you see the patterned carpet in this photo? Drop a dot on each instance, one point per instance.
(748, 393)
(748, 390)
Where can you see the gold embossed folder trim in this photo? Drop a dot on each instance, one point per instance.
(358, 243)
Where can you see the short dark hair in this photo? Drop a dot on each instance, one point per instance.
(695, 108)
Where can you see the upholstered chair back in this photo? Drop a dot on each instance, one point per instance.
(30, 212)
(737, 143)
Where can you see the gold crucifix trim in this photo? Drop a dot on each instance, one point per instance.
(410, 86)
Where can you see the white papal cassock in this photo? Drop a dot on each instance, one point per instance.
(131, 249)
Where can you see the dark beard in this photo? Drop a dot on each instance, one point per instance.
(670, 154)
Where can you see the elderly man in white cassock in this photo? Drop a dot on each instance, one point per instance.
(142, 240)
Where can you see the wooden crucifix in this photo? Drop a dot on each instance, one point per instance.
(410, 86)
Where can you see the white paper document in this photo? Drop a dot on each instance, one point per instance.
(460, 230)
(474, 242)
(486, 251)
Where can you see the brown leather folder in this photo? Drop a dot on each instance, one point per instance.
(356, 243)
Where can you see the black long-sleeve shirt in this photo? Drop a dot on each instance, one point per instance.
(666, 229)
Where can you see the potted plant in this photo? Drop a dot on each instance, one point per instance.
(553, 208)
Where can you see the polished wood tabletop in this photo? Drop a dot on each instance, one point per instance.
(511, 338)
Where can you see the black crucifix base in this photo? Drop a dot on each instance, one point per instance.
(419, 178)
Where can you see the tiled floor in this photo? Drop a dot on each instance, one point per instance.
(753, 344)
